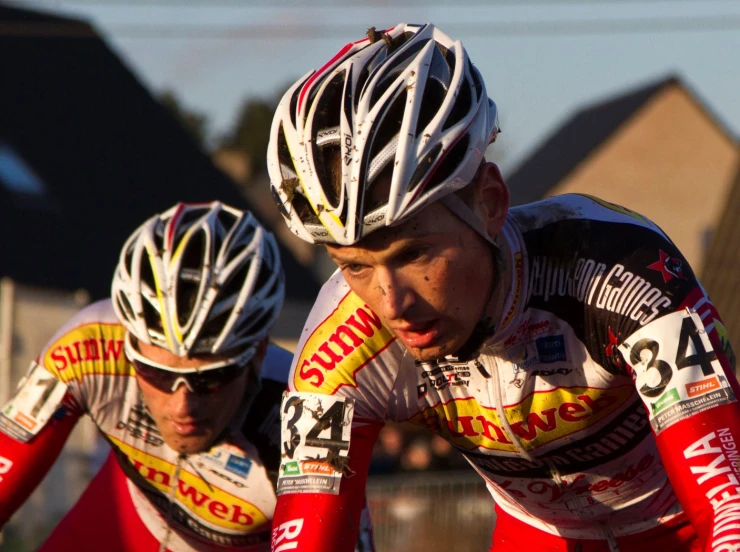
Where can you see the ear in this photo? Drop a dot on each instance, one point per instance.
(491, 197)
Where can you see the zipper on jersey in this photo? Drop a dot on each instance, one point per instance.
(495, 395)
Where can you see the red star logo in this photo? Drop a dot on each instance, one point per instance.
(668, 267)
(613, 342)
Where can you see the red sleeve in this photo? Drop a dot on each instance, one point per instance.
(24, 465)
(701, 455)
(318, 522)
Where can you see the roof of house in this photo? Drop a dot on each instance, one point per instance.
(86, 155)
(580, 135)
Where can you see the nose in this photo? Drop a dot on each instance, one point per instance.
(183, 402)
(395, 295)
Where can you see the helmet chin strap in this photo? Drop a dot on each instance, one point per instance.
(485, 327)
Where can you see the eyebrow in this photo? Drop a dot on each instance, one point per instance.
(405, 244)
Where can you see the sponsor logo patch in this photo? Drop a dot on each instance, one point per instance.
(543, 350)
(539, 419)
(594, 283)
(87, 350)
(551, 349)
(702, 387)
(669, 267)
(341, 346)
(675, 351)
(202, 500)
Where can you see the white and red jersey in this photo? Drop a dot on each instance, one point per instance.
(604, 406)
(221, 498)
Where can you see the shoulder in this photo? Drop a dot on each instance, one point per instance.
(341, 337)
(577, 210)
(91, 342)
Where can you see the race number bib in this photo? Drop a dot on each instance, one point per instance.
(38, 396)
(676, 368)
(315, 432)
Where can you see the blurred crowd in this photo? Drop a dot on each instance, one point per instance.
(400, 449)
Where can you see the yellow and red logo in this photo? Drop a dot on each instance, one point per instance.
(87, 350)
(350, 337)
(541, 418)
(701, 387)
(207, 502)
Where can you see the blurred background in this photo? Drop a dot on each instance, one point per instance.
(113, 110)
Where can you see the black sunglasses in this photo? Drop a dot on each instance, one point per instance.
(202, 380)
(201, 383)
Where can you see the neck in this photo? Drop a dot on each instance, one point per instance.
(493, 312)
(502, 278)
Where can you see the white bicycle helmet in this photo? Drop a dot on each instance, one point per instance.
(199, 278)
(407, 104)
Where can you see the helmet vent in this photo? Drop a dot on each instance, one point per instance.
(394, 68)
(279, 203)
(434, 95)
(423, 168)
(390, 125)
(328, 110)
(125, 307)
(129, 259)
(303, 209)
(235, 282)
(258, 320)
(189, 280)
(450, 163)
(227, 220)
(367, 69)
(213, 328)
(462, 106)
(477, 82)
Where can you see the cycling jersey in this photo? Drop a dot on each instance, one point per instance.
(603, 408)
(219, 499)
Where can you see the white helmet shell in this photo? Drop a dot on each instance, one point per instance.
(404, 107)
(199, 279)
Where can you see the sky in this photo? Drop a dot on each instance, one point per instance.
(541, 59)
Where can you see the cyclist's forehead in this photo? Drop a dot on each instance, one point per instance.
(431, 226)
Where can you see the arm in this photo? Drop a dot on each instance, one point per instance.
(322, 521)
(27, 455)
(684, 374)
(24, 465)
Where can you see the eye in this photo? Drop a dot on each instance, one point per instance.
(353, 269)
(413, 255)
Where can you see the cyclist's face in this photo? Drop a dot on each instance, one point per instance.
(427, 279)
(190, 422)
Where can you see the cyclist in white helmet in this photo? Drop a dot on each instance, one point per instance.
(565, 347)
(177, 372)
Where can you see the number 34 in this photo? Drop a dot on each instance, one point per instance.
(700, 357)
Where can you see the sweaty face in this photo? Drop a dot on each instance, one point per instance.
(427, 279)
(189, 422)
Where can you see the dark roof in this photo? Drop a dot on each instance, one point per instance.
(574, 140)
(720, 274)
(108, 153)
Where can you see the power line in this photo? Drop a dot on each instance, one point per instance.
(264, 32)
(493, 29)
(353, 4)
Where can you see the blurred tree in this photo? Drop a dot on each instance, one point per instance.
(251, 132)
(196, 124)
